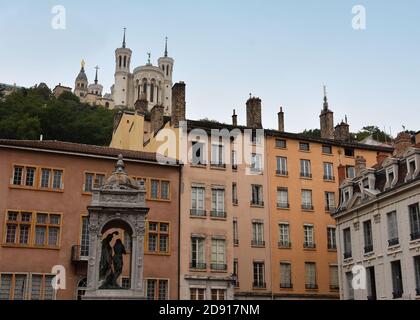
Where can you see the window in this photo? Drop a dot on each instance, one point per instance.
(159, 189)
(84, 241)
(218, 203)
(334, 284)
(309, 242)
(197, 201)
(307, 200)
(256, 136)
(234, 160)
(286, 275)
(28, 177)
(350, 172)
(393, 238)
(281, 143)
(41, 287)
(91, 179)
(397, 283)
(417, 271)
(235, 232)
(47, 228)
(284, 232)
(282, 166)
(329, 171)
(329, 201)
(197, 294)
(158, 238)
(390, 177)
(304, 146)
(235, 200)
(236, 272)
(283, 198)
(218, 155)
(347, 243)
(152, 92)
(327, 149)
(414, 221)
(126, 283)
(310, 275)
(13, 286)
(259, 275)
(256, 163)
(218, 294)
(198, 153)
(349, 152)
(258, 234)
(349, 282)
(218, 255)
(332, 240)
(305, 169)
(257, 195)
(198, 260)
(157, 289)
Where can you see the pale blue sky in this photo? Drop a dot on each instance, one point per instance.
(281, 51)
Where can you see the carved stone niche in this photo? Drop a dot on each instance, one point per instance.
(120, 203)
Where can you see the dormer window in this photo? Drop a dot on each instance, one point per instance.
(412, 166)
(365, 183)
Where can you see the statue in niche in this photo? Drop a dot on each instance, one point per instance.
(111, 264)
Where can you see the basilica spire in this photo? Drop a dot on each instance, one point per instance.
(166, 47)
(325, 98)
(96, 76)
(124, 43)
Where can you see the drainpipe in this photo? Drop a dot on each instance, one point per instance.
(179, 230)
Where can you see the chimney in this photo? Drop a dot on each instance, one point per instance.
(342, 132)
(142, 105)
(418, 137)
(402, 142)
(360, 165)
(341, 174)
(281, 120)
(381, 157)
(178, 104)
(253, 113)
(234, 118)
(156, 118)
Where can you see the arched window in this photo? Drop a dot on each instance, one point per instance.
(167, 70)
(120, 59)
(163, 68)
(125, 61)
(81, 288)
(145, 89)
(152, 92)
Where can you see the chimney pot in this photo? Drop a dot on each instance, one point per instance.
(281, 120)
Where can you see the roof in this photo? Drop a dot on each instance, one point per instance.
(81, 149)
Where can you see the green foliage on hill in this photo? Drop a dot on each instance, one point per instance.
(28, 113)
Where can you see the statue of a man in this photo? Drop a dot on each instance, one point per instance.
(105, 268)
(117, 259)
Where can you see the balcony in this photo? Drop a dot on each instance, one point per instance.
(306, 175)
(256, 170)
(259, 285)
(393, 242)
(257, 203)
(236, 242)
(369, 249)
(332, 247)
(330, 209)
(311, 286)
(415, 236)
(79, 255)
(235, 202)
(258, 243)
(309, 246)
(198, 213)
(234, 167)
(198, 266)
(283, 205)
(286, 285)
(307, 206)
(347, 255)
(283, 173)
(218, 267)
(218, 214)
(397, 294)
(329, 178)
(285, 245)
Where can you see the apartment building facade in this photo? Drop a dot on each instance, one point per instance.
(378, 223)
(46, 187)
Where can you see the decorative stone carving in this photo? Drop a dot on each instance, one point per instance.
(119, 203)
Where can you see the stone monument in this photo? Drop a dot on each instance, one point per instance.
(119, 204)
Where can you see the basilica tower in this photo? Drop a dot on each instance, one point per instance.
(122, 75)
(166, 64)
(81, 83)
